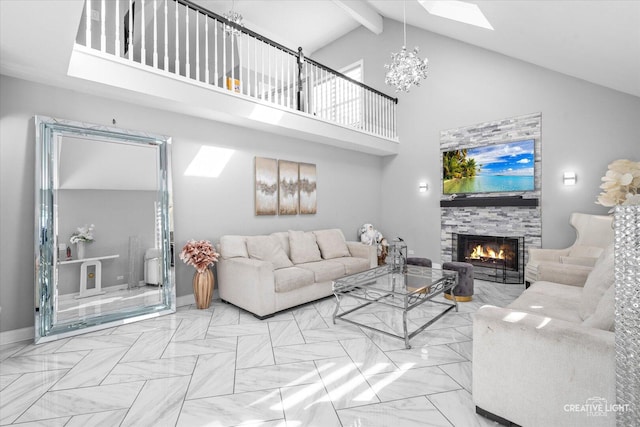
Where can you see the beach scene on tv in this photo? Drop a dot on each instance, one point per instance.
(489, 169)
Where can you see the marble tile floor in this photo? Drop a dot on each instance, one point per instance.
(223, 367)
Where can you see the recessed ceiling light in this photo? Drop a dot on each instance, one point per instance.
(458, 11)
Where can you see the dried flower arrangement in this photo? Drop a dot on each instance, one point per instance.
(199, 253)
(621, 184)
(83, 234)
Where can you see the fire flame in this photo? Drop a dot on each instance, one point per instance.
(480, 252)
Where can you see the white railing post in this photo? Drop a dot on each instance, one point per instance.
(130, 46)
(103, 29)
(143, 39)
(155, 34)
(177, 60)
(206, 50)
(187, 65)
(166, 35)
(216, 76)
(88, 27)
(117, 38)
(197, 45)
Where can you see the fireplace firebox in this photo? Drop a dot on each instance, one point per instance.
(495, 258)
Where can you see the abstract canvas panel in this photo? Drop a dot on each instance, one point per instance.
(288, 187)
(266, 186)
(307, 185)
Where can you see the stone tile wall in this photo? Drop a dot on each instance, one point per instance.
(495, 221)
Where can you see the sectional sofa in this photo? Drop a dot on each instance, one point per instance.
(269, 273)
(548, 359)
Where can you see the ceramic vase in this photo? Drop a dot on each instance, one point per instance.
(203, 288)
(80, 249)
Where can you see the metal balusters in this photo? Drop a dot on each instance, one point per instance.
(155, 34)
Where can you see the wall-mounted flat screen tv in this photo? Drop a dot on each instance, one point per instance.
(497, 168)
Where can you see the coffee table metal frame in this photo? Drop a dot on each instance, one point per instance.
(371, 286)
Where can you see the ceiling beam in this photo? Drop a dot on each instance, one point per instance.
(363, 13)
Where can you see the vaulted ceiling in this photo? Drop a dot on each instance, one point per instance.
(594, 40)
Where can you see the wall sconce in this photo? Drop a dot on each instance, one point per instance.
(423, 187)
(569, 178)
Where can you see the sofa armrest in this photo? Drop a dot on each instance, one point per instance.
(248, 284)
(566, 274)
(360, 250)
(540, 255)
(527, 368)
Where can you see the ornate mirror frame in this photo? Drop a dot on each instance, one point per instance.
(50, 134)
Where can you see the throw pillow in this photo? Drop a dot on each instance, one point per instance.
(603, 317)
(267, 248)
(303, 247)
(332, 243)
(233, 247)
(597, 283)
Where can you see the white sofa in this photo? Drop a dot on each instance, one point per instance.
(572, 265)
(269, 273)
(540, 360)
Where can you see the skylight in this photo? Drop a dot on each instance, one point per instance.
(460, 11)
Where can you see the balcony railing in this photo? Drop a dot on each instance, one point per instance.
(182, 38)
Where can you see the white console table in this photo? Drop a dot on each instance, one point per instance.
(85, 263)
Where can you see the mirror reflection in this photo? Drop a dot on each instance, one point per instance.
(104, 228)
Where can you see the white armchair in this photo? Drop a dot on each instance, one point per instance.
(571, 266)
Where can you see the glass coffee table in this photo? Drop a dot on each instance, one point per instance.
(401, 289)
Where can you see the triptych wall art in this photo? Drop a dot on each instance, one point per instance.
(284, 187)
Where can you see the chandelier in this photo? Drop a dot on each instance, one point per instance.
(236, 18)
(406, 68)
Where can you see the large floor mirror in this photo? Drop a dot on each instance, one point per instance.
(104, 227)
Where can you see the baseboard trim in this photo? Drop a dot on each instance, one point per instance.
(494, 417)
(17, 335)
(185, 300)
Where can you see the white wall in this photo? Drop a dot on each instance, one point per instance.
(204, 208)
(584, 127)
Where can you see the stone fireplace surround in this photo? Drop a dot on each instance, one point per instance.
(495, 214)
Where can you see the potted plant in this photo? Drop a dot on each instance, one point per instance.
(200, 254)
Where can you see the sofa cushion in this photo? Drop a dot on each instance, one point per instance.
(603, 317)
(332, 243)
(291, 278)
(267, 248)
(233, 247)
(585, 251)
(552, 300)
(303, 247)
(283, 238)
(324, 271)
(353, 265)
(597, 283)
